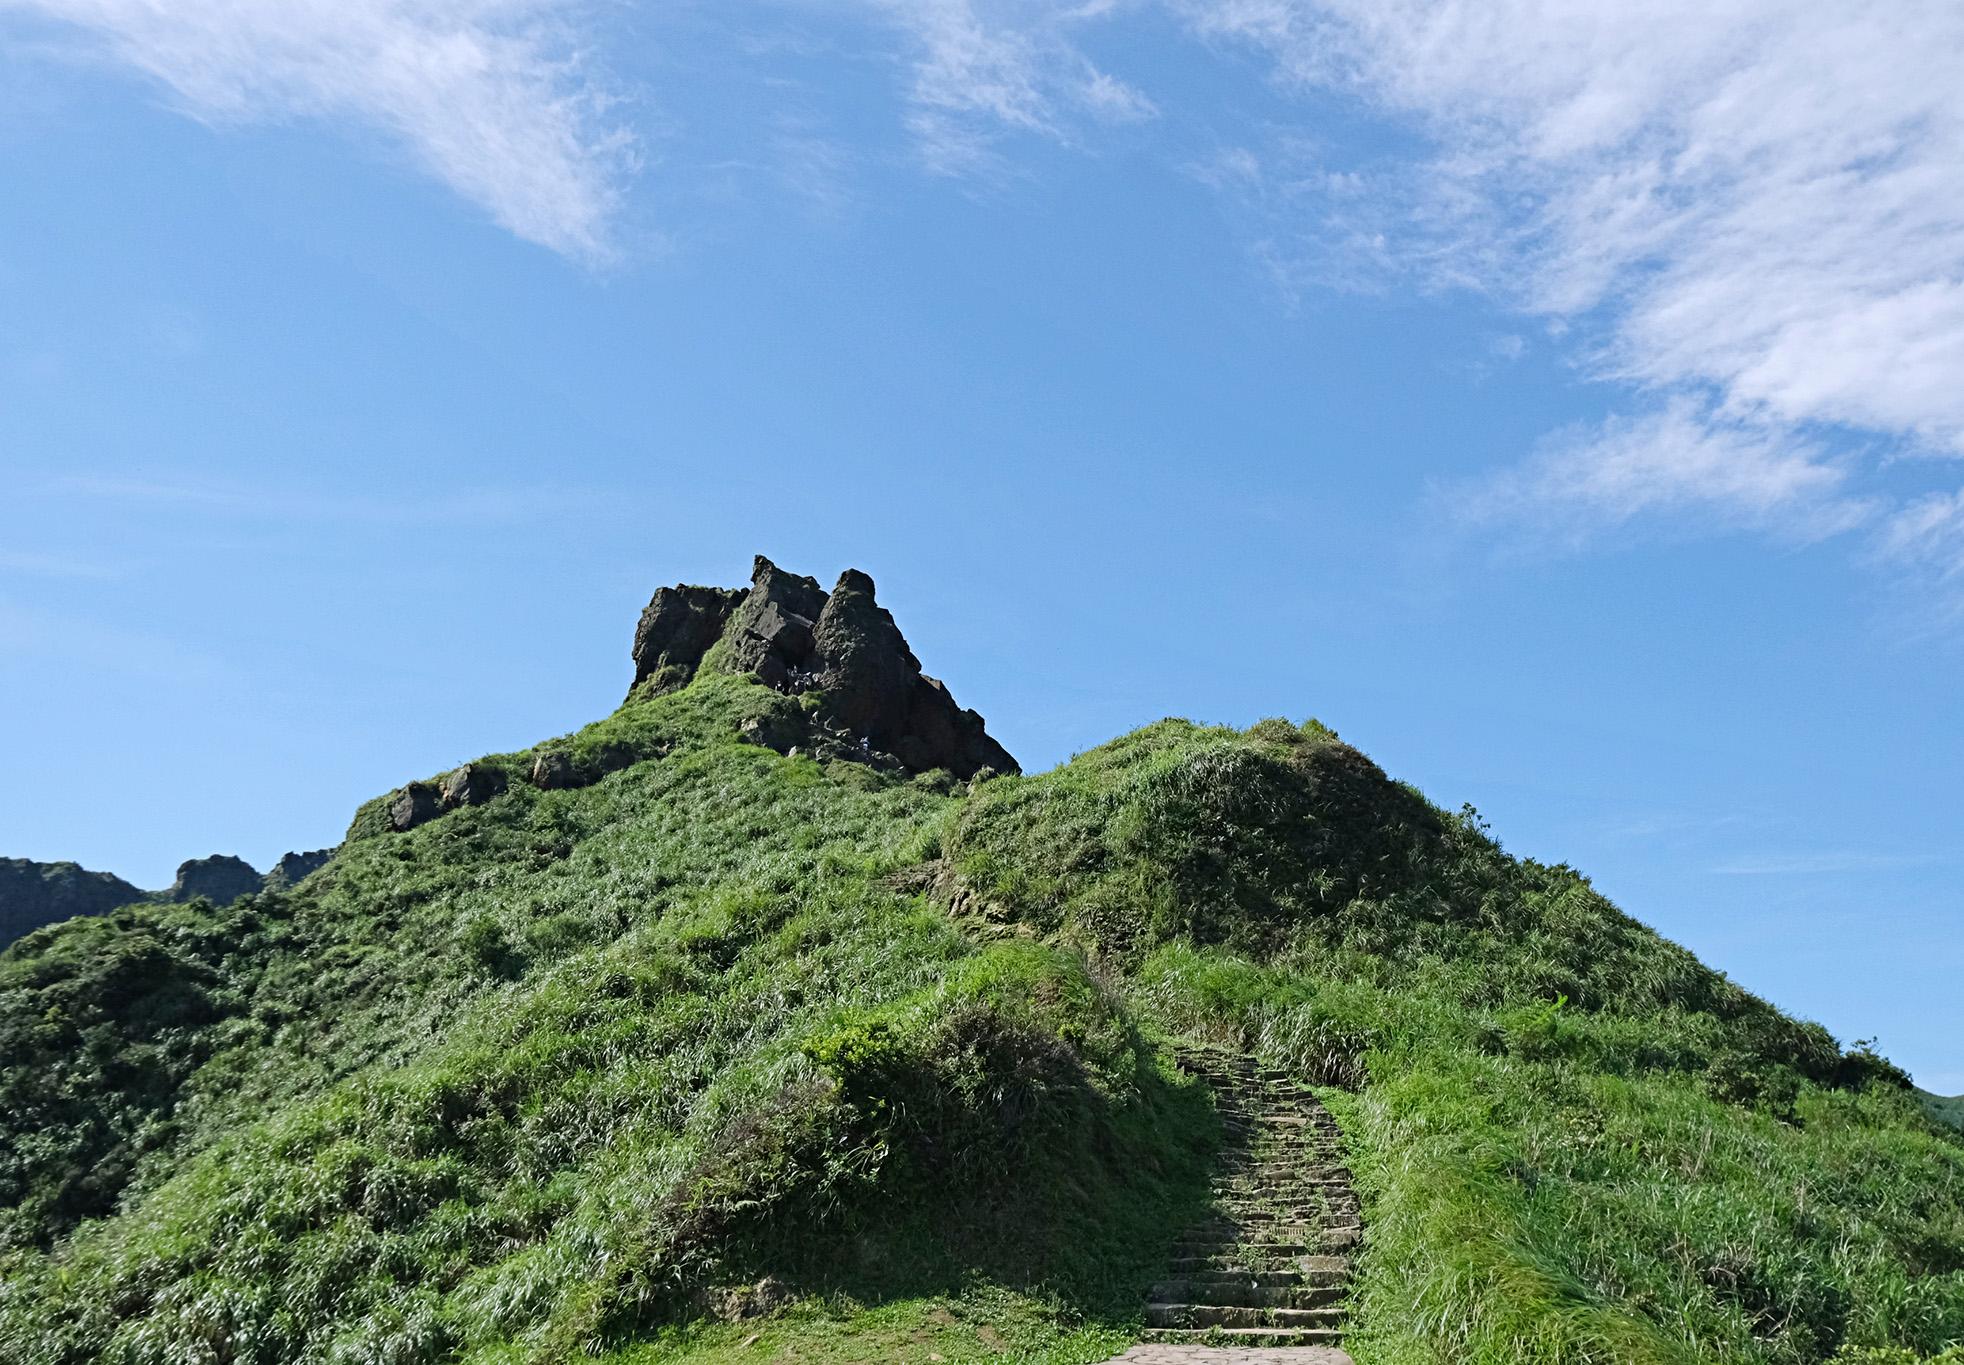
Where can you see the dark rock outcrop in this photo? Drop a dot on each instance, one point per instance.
(472, 785)
(676, 630)
(772, 633)
(293, 868)
(842, 647)
(220, 879)
(33, 894)
(415, 804)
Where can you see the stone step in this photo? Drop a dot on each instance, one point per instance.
(1267, 1250)
(1321, 1268)
(1250, 1344)
(1230, 1315)
(1245, 1293)
(1310, 1196)
(1258, 1279)
(1267, 1231)
(1267, 1209)
(1257, 1340)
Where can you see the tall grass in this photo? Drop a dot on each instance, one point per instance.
(725, 1047)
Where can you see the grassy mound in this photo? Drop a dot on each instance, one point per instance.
(727, 1052)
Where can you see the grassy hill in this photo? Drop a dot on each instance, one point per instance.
(718, 1052)
(1946, 1108)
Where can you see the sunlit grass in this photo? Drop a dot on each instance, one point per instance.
(731, 1056)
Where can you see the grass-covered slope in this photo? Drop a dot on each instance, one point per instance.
(1947, 1108)
(728, 1054)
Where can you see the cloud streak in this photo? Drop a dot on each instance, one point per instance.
(981, 71)
(1753, 213)
(1683, 462)
(491, 97)
(1822, 863)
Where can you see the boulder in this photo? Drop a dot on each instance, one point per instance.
(553, 770)
(472, 785)
(220, 879)
(415, 804)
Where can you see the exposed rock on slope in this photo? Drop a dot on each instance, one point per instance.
(295, 867)
(841, 648)
(220, 879)
(33, 894)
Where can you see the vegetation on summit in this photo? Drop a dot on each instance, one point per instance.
(717, 1029)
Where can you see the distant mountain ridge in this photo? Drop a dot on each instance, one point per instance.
(35, 894)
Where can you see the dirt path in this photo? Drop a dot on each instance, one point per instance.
(1261, 1280)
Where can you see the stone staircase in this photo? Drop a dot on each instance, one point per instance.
(1263, 1276)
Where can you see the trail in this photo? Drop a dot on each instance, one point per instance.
(1261, 1280)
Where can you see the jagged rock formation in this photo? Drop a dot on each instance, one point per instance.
(33, 894)
(842, 648)
(220, 879)
(294, 867)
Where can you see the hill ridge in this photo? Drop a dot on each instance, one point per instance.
(738, 1036)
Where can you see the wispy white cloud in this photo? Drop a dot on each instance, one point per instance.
(494, 98)
(1926, 537)
(1681, 461)
(1755, 207)
(1823, 861)
(981, 70)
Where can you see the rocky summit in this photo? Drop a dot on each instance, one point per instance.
(840, 649)
(220, 879)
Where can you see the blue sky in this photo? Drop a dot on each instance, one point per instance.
(1562, 404)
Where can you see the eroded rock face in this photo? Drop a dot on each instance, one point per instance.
(472, 785)
(220, 879)
(676, 630)
(842, 646)
(415, 804)
(292, 868)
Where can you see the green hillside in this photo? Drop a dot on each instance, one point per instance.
(1947, 1108)
(713, 1031)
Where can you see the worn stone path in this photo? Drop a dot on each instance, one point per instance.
(1261, 1280)
(1233, 1355)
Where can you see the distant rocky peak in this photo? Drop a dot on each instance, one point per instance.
(842, 646)
(293, 868)
(220, 879)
